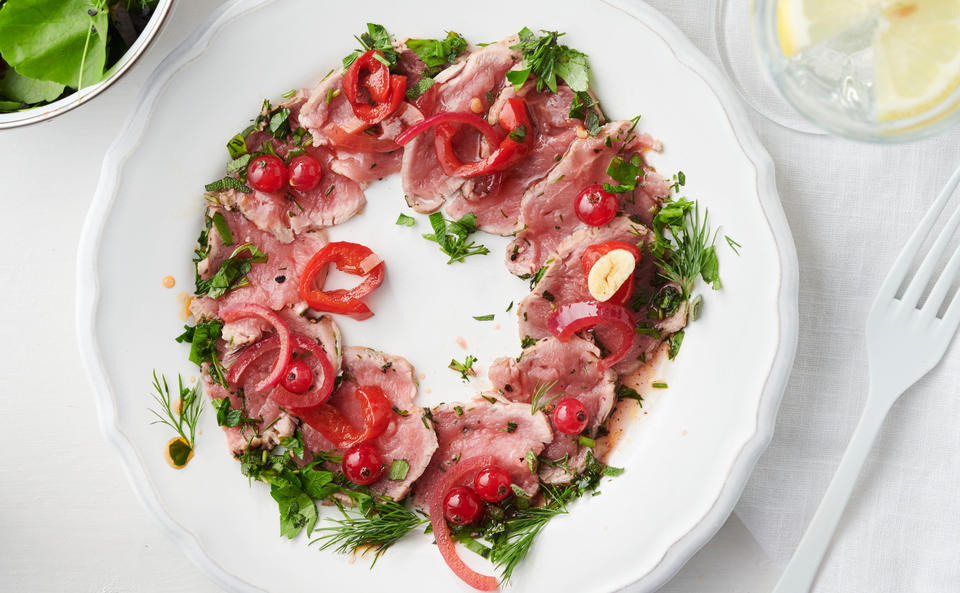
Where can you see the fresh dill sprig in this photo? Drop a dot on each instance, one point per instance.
(453, 236)
(389, 522)
(688, 252)
(541, 391)
(188, 408)
(465, 368)
(522, 528)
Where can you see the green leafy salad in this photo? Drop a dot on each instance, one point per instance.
(51, 48)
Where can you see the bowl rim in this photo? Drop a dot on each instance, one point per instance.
(49, 111)
(687, 54)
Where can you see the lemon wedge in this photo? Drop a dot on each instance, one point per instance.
(916, 46)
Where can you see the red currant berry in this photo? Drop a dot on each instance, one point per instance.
(305, 173)
(594, 206)
(362, 464)
(570, 417)
(298, 377)
(492, 483)
(266, 173)
(461, 505)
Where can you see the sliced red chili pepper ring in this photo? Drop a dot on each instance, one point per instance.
(322, 390)
(471, 119)
(328, 421)
(245, 310)
(510, 151)
(441, 532)
(386, 90)
(351, 258)
(573, 317)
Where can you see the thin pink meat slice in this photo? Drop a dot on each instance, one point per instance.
(407, 437)
(273, 283)
(361, 152)
(480, 76)
(273, 422)
(564, 370)
(289, 212)
(565, 282)
(498, 209)
(508, 431)
(547, 210)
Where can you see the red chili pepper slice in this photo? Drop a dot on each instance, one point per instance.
(594, 252)
(471, 119)
(386, 90)
(510, 151)
(322, 389)
(351, 258)
(245, 310)
(441, 531)
(573, 317)
(328, 421)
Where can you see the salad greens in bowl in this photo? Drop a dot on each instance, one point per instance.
(57, 54)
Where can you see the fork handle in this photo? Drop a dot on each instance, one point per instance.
(800, 572)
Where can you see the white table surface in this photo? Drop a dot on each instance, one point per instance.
(68, 519)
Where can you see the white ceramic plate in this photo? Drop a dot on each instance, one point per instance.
(687, 460)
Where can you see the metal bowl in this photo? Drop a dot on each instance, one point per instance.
(84, 95)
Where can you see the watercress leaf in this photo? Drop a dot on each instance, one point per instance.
(28, 90)
(61, 41)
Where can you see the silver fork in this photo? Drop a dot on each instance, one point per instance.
(904, 342)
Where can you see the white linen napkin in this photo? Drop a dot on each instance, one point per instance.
(851, 207)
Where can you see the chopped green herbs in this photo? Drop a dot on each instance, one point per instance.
(435, 53)
(228, 183)
(399, 469)
(510, 306)
(202, 338)
(484, 317)
(453, 236)
(404, 220)
(585, 107)
(674, 343)
(626, 392)
(586, 442)
(541, 397)
(229, 416)
(237, 147)
(220, 223)
(527, 341)
(181, 416)
(419, 88)
(658, 385)
(232, 272)
(733, 244)
(376, 38)
(627, 173)
(465, 368)
(684, 246)
(548, 60)
(511, 427)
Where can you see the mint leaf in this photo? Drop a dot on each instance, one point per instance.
(61, 41)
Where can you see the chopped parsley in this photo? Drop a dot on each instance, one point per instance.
(585, 107)
(404, 220)
(548, 60)
(232, 272)
(376, 38)
(435, 53)
(627, 173)
(453, 236)
(202, 338)
(399, 469)
(511, 427)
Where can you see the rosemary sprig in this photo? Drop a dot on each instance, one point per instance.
(541, 391)
(389, 522)
(188, 410)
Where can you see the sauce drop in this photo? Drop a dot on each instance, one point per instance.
(178, 452)
(168, 281)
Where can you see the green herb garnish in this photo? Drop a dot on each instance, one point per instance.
(376, 38)
(399, 469)
(465, 368)
(548, 60)
(232, 272)
(228, 183)
(541, 397)
(202, 338)
(404, 220)
(452, 236)
(184, 419)
(484, 317)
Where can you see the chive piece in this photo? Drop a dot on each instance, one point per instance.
(399, 469)
(404, 220)
(659, 385)
(511, 427)
(586, 442)
(458, 410)
(510, 306)
(484, 317)
(289, 93)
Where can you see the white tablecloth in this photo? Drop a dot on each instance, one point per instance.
(69, 521)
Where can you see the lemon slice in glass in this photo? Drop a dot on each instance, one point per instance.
(916, 46)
